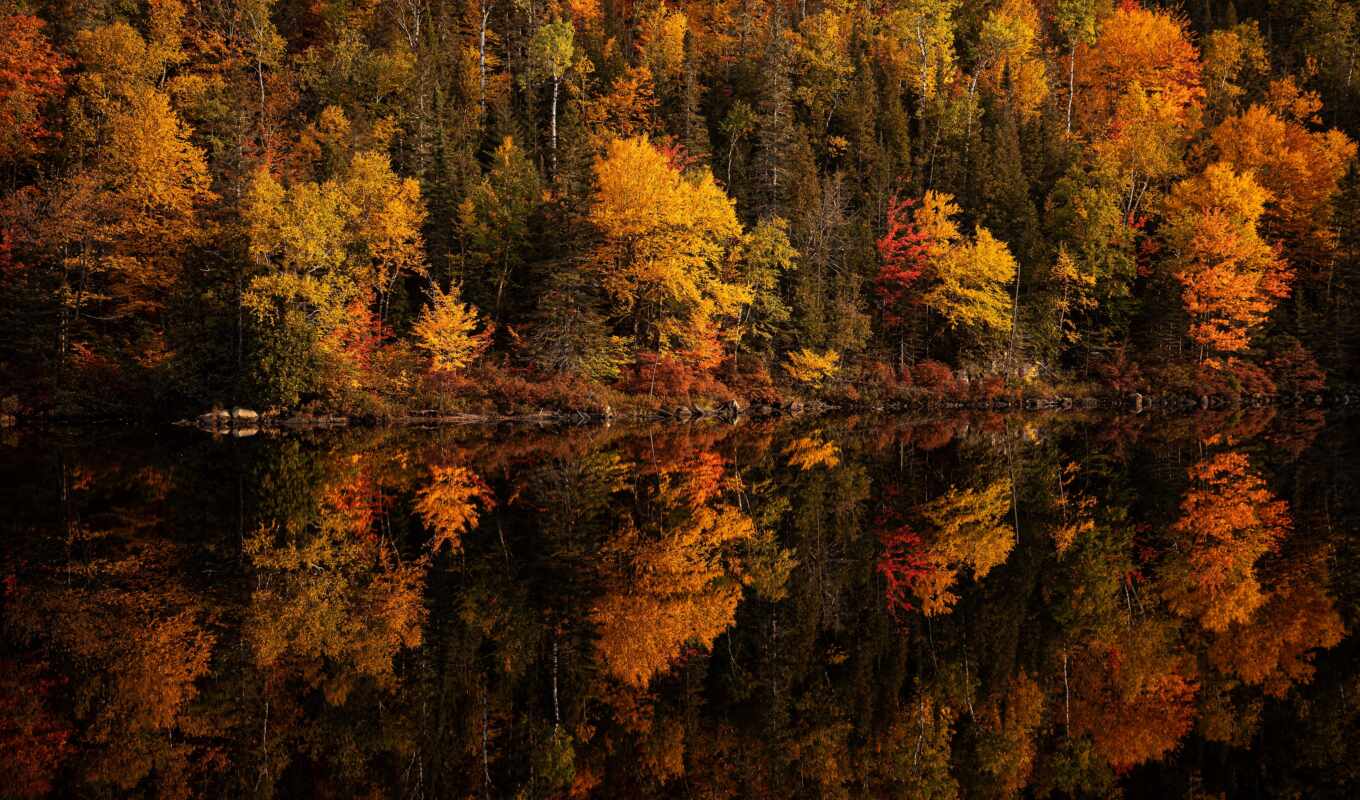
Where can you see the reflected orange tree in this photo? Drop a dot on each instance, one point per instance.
(676, 581)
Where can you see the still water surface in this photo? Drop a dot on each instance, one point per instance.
(982, 606)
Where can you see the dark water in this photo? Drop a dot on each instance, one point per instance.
(976, 607)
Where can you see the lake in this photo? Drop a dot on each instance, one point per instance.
(974, 606)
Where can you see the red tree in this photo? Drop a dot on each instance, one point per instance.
(903, 252)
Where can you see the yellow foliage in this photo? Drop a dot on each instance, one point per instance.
(969, 530)
(809, 452)
(446, 331)
(448, 505)
(918, 40)
(387, 218)
(666, 238)
(1302, 170)
(661, 42)
(1231, 277)
(968, 278)
(810, 367)
(675, 588)
(1012, 59)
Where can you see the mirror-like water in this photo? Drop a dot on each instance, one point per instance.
(984, 606)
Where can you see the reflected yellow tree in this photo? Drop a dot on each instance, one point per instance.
(335, 602)
(449, 504)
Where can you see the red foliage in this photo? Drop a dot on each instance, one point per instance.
(30, 79)
(362, 335)
(903, 250)
(674, 374)
(935, 376)
(991, 387)
(900, 563)
(677, 155)
(35, 742)
(885, 375)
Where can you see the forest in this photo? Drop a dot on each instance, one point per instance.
(372, 207)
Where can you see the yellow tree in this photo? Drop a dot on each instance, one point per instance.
(325, 252)
(917, 40)
(677, 576)
(967, 278)
(1010, 59)
(447, 332)
(967, 529)
(387, 215)
(821, 50)
(448, 505)
(124, 219)
(667, 237)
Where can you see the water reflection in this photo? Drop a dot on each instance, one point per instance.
(984, 606)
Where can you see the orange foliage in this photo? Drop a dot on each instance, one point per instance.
(674, 586)
(1229, 519)
(1139, 48)
(1301, 168)
(449, 504)
(1134, 697)
(1231, 278)
(1275, 648)
(30, 79)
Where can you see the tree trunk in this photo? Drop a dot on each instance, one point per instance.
(481, 61)
(1071, 83)
(556, 83)
(1015, 318)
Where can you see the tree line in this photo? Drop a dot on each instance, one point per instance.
(376, 206)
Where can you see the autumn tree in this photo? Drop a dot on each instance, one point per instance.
(1230, 277)
(123, 218)
(1229, 520)
(1139, 90)
(447, 332)
(903, 252)
(666, 238)
(1009, 62)
(327, 256)
(1300, 168)
(30, 80)
(968, 277)
(551, 51)
(1077, 22)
